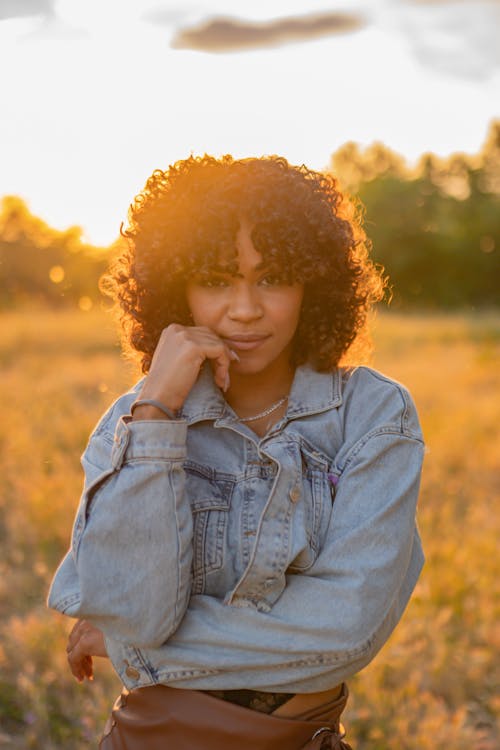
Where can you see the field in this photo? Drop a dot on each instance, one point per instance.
(433, 684)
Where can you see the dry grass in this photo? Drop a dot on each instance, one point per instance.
(432, 685)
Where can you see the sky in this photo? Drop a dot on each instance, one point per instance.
(98, 94)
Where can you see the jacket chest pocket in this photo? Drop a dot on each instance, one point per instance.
(210, 499)
(312, 515)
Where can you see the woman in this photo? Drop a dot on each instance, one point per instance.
(246, 539)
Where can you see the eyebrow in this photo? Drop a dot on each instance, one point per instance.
(265, 264)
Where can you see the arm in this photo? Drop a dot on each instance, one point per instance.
(132, 505)
(328, 623)
(129, 567)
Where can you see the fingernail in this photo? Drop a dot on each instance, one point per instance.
(233, 355)
(227, 383)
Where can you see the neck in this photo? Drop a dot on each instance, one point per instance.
(251, 393)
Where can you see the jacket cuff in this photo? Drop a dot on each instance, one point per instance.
(127, 664)
(156, 439)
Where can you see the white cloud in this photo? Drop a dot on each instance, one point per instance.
(26, 8)
(454, 38)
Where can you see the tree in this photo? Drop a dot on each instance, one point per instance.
(435, 229)
(39, 263)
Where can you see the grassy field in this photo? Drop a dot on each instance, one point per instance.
(433, 684)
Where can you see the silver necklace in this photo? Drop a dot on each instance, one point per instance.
(264, 413)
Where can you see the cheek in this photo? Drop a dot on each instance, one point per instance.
(203, 315)
(289, 311)
(201, 307)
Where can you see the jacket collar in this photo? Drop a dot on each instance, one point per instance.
(312, 392)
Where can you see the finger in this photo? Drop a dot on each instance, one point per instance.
(75, 662)
(81, 665)
(75, 634)
(219, 360)
(88, 667)
(220, 356)
(206, 334)
(78, 656)
(220, 368)
(82, 627)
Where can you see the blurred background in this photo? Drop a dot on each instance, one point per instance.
(400, 100)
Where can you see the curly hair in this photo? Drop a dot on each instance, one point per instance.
(188, 216)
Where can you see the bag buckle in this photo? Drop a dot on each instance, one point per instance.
(320, 730)
(335, 739)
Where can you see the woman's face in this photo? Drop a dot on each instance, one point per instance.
(255, 311)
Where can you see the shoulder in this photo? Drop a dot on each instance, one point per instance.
(374, 401)
(106, 426)
(101, 440)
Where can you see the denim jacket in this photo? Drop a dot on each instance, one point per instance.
(215, 559)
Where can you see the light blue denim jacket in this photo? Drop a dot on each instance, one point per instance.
(215, 559)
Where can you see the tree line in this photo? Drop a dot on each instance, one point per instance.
(40, 264)
(435, 228)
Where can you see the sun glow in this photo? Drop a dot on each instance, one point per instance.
(98, 99)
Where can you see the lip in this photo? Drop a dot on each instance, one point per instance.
(245, 341)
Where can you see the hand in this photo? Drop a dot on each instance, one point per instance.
(84, 642)
(179, 355)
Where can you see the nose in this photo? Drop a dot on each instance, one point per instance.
(245, 305)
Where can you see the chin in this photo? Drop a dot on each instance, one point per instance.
(248, 368)
(252, 366)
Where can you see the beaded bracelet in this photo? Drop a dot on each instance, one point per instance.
(152, 402)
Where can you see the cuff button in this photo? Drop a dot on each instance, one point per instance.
(133, 673)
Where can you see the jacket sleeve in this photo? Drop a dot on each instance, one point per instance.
(133, 502)
(327, 623)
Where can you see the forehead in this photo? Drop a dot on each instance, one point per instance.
(244, 257)
(248, 257)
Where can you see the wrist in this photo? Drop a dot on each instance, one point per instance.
(146, 409)
(172, 401)
(147, 412)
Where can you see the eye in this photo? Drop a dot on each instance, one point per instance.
(273, 278)
(213, 282)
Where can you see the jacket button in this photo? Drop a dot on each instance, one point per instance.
(295, 494)
(133, 673)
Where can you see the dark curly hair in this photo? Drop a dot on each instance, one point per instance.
(188, 216)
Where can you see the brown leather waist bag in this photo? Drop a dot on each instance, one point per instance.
(164, 718)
